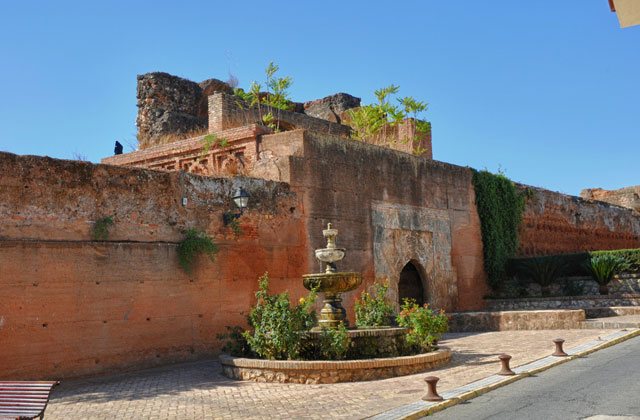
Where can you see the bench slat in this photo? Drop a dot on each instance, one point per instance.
(17, 397)
(29, 382)
(24, 413)
(18, 388)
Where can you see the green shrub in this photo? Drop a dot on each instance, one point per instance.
(334, 343)
(278, 327)
(425, 326)
(574, 264)
(101, 228)
(544, 271)
(631, 256)
(604, 266)
(373, 311)
(194, 244)
(235, 343)
(500, 206)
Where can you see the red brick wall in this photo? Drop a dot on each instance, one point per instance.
(71, 306)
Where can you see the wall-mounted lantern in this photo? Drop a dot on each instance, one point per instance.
(241, 200)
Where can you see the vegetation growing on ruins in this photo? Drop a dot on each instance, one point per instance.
(212, 141)
(194, 244)
(377, 121)
(276, 96)
(101, 228)
(500, 206)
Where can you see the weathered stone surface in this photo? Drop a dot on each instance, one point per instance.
(330, 108)
(170, 106)
(555, 223)
(626, 197)
(167, 104)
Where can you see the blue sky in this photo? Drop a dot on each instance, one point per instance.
(547, 91)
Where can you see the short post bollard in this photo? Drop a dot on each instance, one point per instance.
(432, 394)
(505, 370)
(559, 352)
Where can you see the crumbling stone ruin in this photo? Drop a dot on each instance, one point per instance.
(628, 197)
(204, 128)
(170, 107)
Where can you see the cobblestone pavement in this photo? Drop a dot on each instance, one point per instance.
(197, 390)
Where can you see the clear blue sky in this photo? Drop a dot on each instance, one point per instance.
(547, 90)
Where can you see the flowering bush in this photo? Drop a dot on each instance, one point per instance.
(278, 328)
(373, 311)
(425, 326)
(334, 343)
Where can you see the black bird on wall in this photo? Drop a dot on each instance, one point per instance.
(118, 149)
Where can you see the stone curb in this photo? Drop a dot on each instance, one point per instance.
(477, 388)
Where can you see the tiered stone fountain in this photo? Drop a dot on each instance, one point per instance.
(369, 342)
(332, 283)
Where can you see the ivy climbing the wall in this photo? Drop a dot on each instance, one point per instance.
(500, 206)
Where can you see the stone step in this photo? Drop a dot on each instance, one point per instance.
(556, 319)
(611, 311)
(613, 322)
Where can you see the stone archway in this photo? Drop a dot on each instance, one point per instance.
(410, 284)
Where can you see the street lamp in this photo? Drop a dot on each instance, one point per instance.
(241, 200)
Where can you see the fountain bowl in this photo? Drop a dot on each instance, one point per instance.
(332, 283)
(330, 255)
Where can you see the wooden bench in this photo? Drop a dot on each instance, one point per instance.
(24, 399)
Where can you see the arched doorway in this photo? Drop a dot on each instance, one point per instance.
(410, 284)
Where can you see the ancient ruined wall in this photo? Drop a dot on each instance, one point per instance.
(626, 197)
(390, 208)
(169, 105)
(171, 108)
(233, 153)
(556, 223)
(331, 108)
(227, 111)
(72, 306)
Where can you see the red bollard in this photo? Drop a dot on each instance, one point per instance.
(559, 352)
(432, 394)
(506, 370)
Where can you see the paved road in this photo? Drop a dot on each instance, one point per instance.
(603, 384)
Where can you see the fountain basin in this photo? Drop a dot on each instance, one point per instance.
(332, 283)
(326, 372)
(330, 255)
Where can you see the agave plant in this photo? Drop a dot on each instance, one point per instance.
(544, 271)
(602, 269)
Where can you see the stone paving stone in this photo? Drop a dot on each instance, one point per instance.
(198, 390)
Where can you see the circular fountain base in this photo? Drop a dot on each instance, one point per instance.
(374, 367)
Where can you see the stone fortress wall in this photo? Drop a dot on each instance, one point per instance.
(73, 306)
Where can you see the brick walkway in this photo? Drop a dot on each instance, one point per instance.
(198, 390)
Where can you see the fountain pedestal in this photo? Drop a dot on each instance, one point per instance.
(331, 282)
